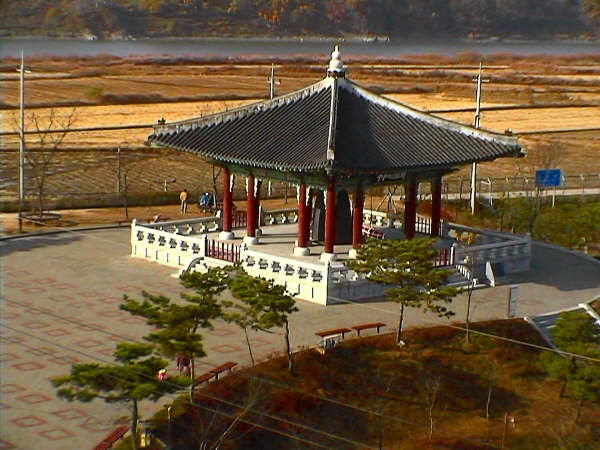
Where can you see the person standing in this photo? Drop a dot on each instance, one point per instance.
(183, 197)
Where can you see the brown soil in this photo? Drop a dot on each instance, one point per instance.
(374, 374)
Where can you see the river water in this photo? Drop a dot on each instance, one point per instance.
(282, 47)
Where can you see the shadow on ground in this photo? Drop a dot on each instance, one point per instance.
(560, 269)
(25, 244)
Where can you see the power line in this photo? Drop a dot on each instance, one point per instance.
(288, 435)
(456, 327)
(262, 379)
(271, 416)
(362, 305)
(493, 336)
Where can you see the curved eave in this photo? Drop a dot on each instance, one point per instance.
(241, 111)
(437, 121)
(219, 159)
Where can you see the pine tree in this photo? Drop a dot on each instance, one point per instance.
(268, 304)
(406, 267)
(178, 324)
(131, 379)
(575, 332)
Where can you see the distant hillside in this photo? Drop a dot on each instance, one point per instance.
(194, 18)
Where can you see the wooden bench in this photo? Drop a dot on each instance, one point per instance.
(204, 377)
(112, 438)
(341, 331)
(222, 368)
(367, 326)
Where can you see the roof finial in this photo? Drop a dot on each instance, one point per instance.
(336, 65)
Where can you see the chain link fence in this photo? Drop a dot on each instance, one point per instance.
(149, 176)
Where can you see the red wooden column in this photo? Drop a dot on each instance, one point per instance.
(436, 205)
(410, 209)
(251, 212)
(357, 217)
(257, 230)
(303, 222)
(330, 221)
(227, 205)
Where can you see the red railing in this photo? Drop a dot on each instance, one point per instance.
(239, 219)
(443, 258)
(223, 251)
(371, 232)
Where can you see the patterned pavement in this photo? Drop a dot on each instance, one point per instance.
(60, 298)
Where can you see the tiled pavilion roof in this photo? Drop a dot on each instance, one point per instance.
(333, 126)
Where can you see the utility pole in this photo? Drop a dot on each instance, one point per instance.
(22, 144)
(272, 82)
(479, 80)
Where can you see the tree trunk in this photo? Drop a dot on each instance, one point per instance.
(40, 202)
(430, 425)
(399, 335)
(487, 403)
(249, 347)
(380, 430)
(562, 389)
(578, 413)
(134, 421)
(287, 348)
(469, 309)
(193, 374)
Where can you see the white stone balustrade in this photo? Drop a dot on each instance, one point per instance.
(301, 279)
(347, 285)
(200, 225)
(165, 247)
(177, 243)
(382, 219)
(279, 216)
(513, 252)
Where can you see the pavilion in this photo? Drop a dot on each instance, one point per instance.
(337, 137)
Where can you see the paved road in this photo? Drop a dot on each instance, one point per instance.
(60, 298)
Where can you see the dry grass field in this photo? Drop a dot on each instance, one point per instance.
(105, 91)
(386, 392)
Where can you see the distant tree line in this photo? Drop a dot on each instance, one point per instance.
(393, 18)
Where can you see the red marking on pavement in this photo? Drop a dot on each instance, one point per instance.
(34, 398)
(29, 366)
(28, 421)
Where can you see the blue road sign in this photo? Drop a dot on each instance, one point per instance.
(548, 178)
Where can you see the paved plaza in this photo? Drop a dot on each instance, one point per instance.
(60, 299)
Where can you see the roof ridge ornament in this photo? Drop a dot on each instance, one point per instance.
(336, 65)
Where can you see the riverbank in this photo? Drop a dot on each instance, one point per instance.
(375, 47)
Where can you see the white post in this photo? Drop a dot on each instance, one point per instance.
(479, 80)
(272, 83)
(473, 186)
(22, 144)
(133, 237)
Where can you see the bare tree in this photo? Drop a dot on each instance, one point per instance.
(432, 388)
(220, 425)
(49, 135)
(491, 378)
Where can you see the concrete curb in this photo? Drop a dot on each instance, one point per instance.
(64, 230)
